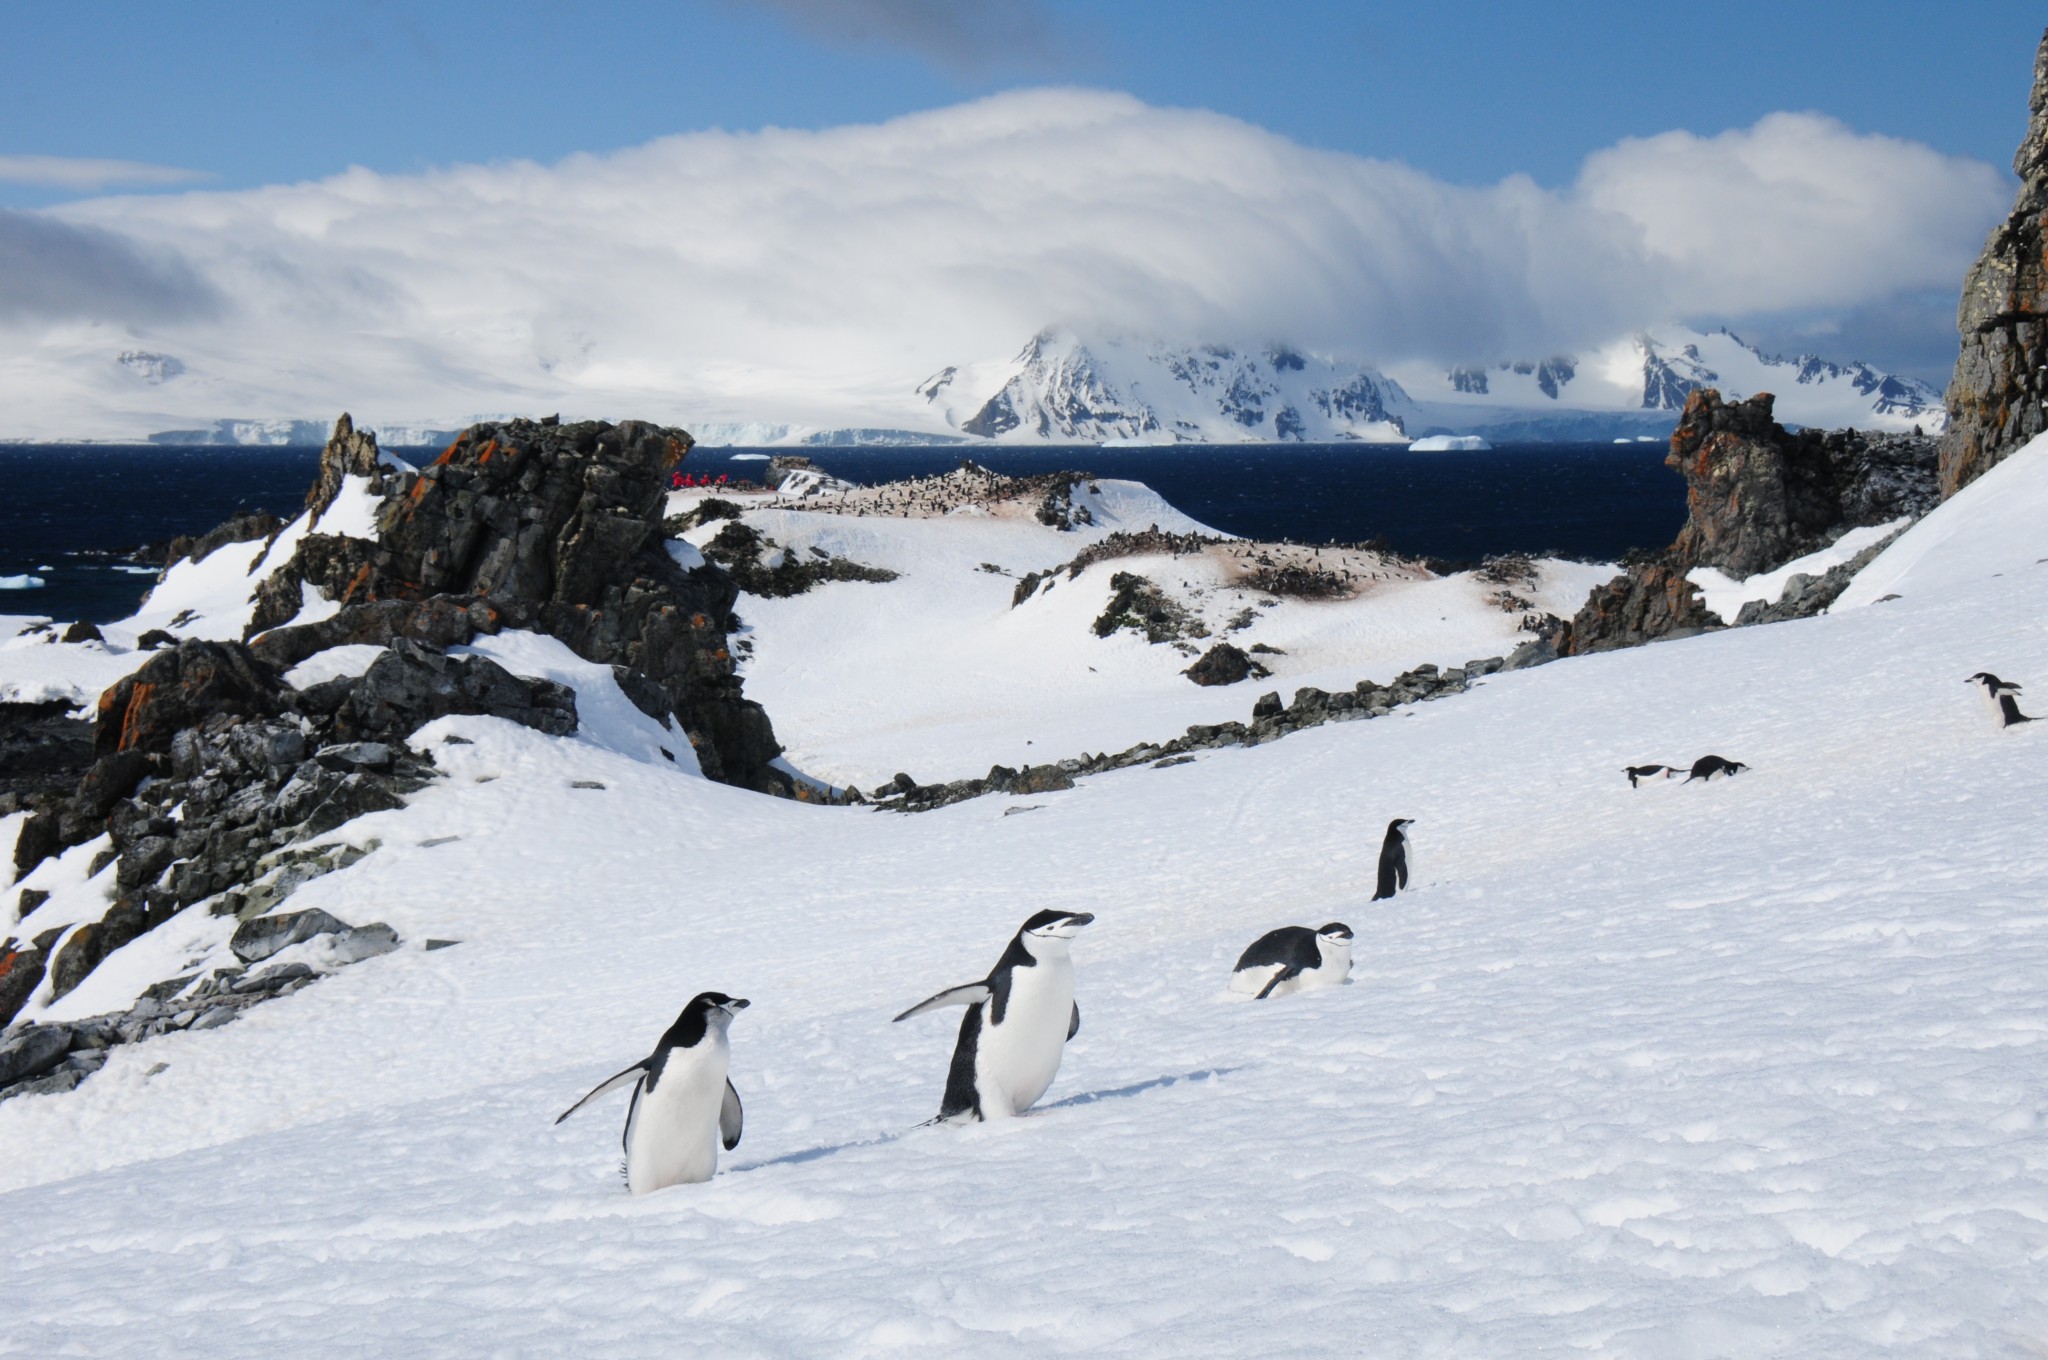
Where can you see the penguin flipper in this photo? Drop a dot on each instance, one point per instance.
(631, 1074)
(730, 1117)
(1274, 981)
(967, 994)
(1074, 1025)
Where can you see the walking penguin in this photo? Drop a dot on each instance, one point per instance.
(684, 1106)
(1293, 959)
(1018, 1021)
(2001, 696)
(1394, 858)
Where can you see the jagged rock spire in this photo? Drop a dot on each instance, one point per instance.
(1998, 399)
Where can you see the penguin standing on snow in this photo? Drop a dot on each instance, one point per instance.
(1018, 1021)
(1293, 959)
(1636, 772)
(2000, 695)
(1710, 767)
(684, 1106)
(1394, 858)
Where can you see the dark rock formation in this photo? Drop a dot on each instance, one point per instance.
(246, 527)
(745, 554)
(40, 1059)
(209, 775)
(1998, 399)
(43, 751)
(1270, 721)
(552, 527)
(1136, 603)
(1757, 496)
(1649, 601)
(1224, 664)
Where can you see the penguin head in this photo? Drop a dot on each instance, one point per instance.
(1335, 933)
(1052, 928)
(708, 1012)
(1400, 825)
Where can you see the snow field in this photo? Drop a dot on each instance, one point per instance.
(938, 675)
(1745, 1068)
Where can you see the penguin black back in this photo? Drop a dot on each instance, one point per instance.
(1707, 767)
(2003, 696)
(1393, 859)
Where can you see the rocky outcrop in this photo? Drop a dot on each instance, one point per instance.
(1270, 721)
(1224, 664)
(43, 751)
(1649, 601)
(41, 1059)
(1998, 399)
(213, 780)
(1757, 496)
(551, 527)
(1136, 603)
(760, 566)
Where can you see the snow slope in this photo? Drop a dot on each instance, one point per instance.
(1993, 525)
(1742, 1069)
(938, 675)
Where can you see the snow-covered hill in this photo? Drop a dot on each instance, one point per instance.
(1741, 1069)
(1064, 390)
(1651, 372)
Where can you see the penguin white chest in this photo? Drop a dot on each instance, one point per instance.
(1017, 1058)
(672, 1130)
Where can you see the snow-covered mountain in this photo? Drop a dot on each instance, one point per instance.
(1060, 389)
(1650, 373)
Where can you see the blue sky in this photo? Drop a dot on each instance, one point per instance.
(253, 93)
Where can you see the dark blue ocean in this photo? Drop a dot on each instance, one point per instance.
(70, 514)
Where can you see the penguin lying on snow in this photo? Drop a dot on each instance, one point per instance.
(1707, 767)
(1636, 772)
(1018, 1021)
(2000, 695)
(1394, 858)
(684, 1105)
(1293, 959)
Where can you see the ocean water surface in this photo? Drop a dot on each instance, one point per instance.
(71, 516)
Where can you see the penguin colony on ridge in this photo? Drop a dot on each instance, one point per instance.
(1394, 858)
(2000, 695)
(684, 1106)
(1018, 1021)
(1293, 959)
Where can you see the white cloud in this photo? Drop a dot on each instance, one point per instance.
(84, 175)
(817, 275)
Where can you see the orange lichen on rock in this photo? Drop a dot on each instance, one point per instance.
(131, 720)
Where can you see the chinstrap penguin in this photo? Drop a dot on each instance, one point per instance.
(1394, 858)
(684, 1106)
(1636, 772)
(1293, 959)
(1018, 1021)
(2002, 696)
(1707, 767)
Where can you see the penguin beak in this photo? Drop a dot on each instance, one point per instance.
(734, 1006)
(1084, 918)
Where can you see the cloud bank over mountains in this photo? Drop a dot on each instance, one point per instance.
(815, 275)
